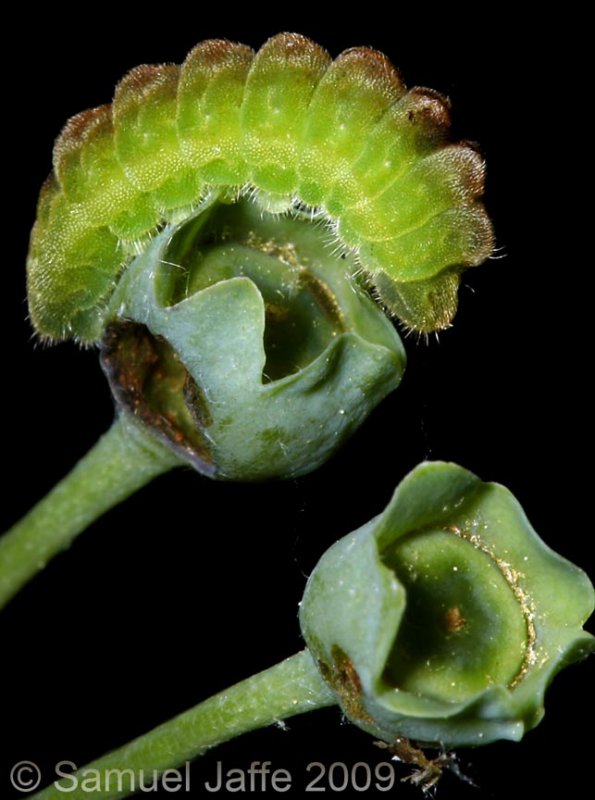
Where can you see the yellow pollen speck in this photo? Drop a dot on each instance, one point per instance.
(512, 577)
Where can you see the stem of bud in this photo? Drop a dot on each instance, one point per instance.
(291, 687)
(121, 462)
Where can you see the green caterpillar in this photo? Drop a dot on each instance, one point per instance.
(343, 138)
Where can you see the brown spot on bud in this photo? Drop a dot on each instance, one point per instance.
(343, 677)
(150, 382)
(454, 620)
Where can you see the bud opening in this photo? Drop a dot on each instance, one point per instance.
(246, 344)
(449, 645)
(232, 240)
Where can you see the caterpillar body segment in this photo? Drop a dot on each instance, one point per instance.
(292, 126)
(146, 138)
(277, 108)
(145, 131)
(210, 96)
(91, 176)
(88, 261)
(448, 177)
(84, 153)
(411, 128)
(421, 305)
(460, 235)
(355, 92)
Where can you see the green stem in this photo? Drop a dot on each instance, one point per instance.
(122, 461)
(289, 688)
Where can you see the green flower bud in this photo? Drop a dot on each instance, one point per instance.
(236, 339)
(445, 618)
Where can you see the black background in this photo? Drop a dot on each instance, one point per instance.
(192, 585)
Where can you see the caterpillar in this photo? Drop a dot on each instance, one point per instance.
(297, 129)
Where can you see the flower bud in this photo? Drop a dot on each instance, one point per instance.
(445, 618)
(236, 339)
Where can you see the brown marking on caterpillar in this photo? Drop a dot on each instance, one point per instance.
(429, 106)
(74, 137)
(292, 47)
(77, 129)
(376, 69)
(215, 53)
(144, 80)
